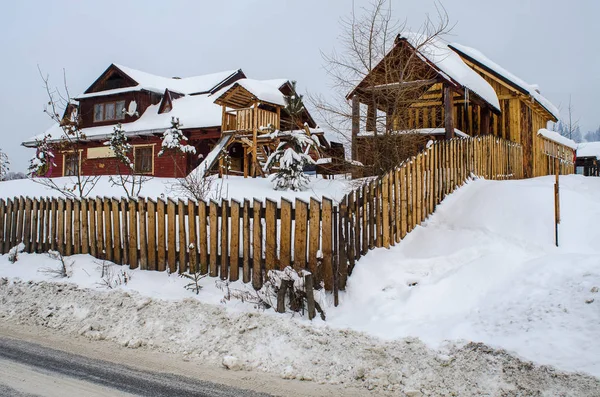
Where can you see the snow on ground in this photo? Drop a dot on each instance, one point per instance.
(482, 271)
(485, 268)
(231, 187)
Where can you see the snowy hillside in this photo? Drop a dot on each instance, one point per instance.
(485, 268)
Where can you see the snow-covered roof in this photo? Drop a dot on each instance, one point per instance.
(532, 89)
(188, 85)
(589, 149)
(556, 137)
(450, 63)
(266, 91)
(197, 111)
(422, 131)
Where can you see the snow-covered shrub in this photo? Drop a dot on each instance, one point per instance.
(13, 253)
(292, 157)
(111, 278)
(65, 268)
(174, 141)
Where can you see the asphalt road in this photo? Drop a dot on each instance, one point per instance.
(31, 370)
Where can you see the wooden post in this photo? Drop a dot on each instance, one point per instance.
(300, 233)
(183, 246)
(257, 277)
(556, 201)
(285, 253)
(161, 251)
(449, 111)
(254, 138)
(234, 247)
(133, 234)
(310, 296)
(214, 238)
(314, 237)
(327, 242)
(355, 126)
(203, 235)
(271, 236)
(143, 229)
(246, 274)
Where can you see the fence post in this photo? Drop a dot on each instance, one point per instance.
(234, 251)
(257, 275)
(327, 241)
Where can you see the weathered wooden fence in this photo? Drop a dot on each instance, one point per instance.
(244, 240)
(381, 212)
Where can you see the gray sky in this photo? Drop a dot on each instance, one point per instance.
(549, 42)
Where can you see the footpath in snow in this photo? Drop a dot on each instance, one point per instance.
(460, 306)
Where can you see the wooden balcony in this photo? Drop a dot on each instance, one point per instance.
(242, 120)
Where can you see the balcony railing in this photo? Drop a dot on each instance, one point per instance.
(242, 120)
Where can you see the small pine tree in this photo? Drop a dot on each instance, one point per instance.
(294, 106)
(4, 165)
(125, 173)
(292, 158)
(174, 141)
(119, 145)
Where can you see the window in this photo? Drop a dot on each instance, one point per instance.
(109, 111)
(143, 159)
(71, 164)
(99, 112)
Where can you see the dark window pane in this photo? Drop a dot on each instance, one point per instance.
(143, 160)
(99, 112)
(120, 110)
(109, 111)
(71, 164)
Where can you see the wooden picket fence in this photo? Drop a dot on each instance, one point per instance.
(244, 240)
(383, 211)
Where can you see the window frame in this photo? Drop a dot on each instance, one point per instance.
(144, 146)
(118, 114)
(64, 165)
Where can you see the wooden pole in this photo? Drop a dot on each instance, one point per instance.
(448, 110)
(355, 125)
(556, 201)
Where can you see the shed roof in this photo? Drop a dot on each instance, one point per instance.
(449, 63)
(480, 59)
(249, 89)
(589, 149)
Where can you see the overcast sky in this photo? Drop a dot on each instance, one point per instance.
(549, 42)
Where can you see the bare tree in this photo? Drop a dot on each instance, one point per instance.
(62, 110)
(125, 176)
(369, 63)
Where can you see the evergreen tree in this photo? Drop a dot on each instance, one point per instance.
(119, 145)
(174, 141)
(294, 106)
(4, 165)
(292, 158)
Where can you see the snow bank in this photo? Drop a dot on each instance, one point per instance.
(250, 341)
(484, 268)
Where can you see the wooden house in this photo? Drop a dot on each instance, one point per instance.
(426, 87)
(211, 110)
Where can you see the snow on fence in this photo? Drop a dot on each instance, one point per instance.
(234, 240)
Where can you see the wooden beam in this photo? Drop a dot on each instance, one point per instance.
(485, 121)
(448, 110)
(355, 125)
(372, 118)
